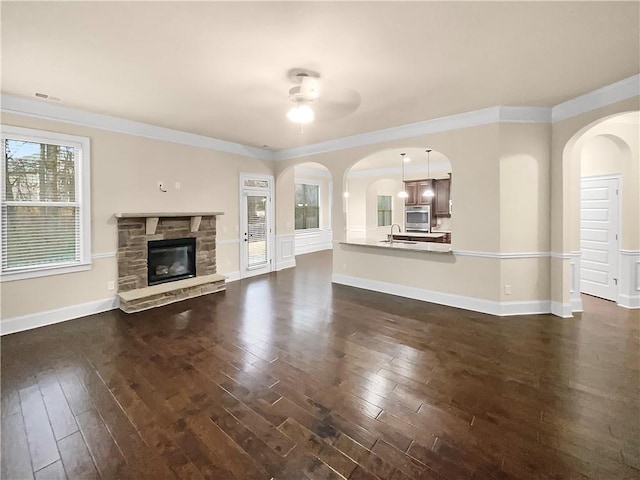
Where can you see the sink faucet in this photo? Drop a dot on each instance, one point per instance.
(390, 236)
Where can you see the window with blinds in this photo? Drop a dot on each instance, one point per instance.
(384, 210)
(44, 225)
(307, 206)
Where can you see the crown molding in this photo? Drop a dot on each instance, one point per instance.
(74, 116)
(607, 95)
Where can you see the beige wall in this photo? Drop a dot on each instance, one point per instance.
(524, 187)
(124, 174)
(285, 195)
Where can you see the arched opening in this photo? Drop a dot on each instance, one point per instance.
(373, 201)
(313, 193)
(602, 210)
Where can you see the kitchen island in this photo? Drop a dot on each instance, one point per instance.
(399, 244)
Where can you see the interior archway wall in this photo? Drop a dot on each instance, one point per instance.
(567, 138)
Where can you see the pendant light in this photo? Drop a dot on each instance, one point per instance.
(428, 192)
(403, 193)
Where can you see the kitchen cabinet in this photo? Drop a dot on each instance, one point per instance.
(416, 189)
(442, 198)
(412, 189)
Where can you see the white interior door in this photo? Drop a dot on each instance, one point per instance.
(256, 230)
(599, 237)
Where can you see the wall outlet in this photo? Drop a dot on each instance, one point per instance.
(507, 289)
(111, 285)
(178, 185)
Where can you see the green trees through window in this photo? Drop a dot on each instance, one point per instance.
(307, 206)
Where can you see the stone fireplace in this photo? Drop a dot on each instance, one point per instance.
(166, 257)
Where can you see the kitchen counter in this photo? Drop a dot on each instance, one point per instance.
(402, 245)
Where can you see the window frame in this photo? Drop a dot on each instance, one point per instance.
(378, 211)
(314, 183)
(83, 199)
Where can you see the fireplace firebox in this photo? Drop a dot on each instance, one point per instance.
(170, 260)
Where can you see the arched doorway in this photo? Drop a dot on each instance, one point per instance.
(603, 210)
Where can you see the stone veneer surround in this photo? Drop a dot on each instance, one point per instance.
(132, 257)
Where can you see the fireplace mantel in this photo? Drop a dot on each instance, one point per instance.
(153, 217)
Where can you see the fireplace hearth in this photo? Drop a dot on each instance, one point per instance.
(171, 260)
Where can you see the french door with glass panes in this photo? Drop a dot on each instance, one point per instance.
(256, 212)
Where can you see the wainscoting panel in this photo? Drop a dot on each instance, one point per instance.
(313, 241)
(285, 251)
(629, 281)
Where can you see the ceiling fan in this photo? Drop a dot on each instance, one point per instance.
(315, 97)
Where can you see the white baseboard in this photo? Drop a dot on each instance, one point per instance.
(564, 310)
(41, 319)
(629, 301)
(231, 276)
(451, 300)
(576, 304)
(290, 263)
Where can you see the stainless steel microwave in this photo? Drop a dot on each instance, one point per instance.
(418, 219)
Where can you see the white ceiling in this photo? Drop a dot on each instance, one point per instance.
(220, 68)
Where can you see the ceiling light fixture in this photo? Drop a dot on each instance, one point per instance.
(301, 114)
(303, 95)
(429, 191)
(403, 193)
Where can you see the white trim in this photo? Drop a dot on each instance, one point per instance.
(285, 251)
(44, 272)
(576, 304)
(41, 319)
(313, 240)
(82, 164)
(629, 252)
(269, 192)
(601, 97)
(474, 118)
(565, 256)
(73, 116)
(563, 310)
(98, 256)
(452, 300)
(231, 276)
(629, 301)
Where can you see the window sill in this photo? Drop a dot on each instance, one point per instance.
(43, 272)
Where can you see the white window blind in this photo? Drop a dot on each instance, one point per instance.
(44, 225)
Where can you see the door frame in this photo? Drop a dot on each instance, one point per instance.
(242, 221)
(618, 178)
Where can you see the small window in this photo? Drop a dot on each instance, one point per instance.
(384, 210)
(307, 206)
(45, 203)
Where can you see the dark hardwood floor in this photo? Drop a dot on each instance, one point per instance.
(290, 377)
